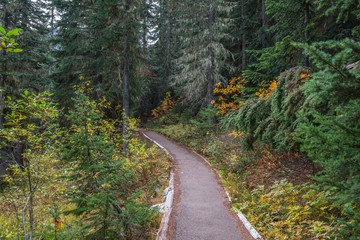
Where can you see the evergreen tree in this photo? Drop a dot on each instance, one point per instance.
(165, 48)
(104, 193)
(75, 49)
(91, 43)
(290, 22)
(26, 69)
(330, 133)
(204, 60)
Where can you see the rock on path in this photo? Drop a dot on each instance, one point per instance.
(201, 209)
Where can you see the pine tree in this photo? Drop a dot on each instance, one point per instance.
(75, 47)
(105, 192)
(290, 21)
(330, 133)
(90, 39)
(26, 69)
(204, 58)
(164, 49)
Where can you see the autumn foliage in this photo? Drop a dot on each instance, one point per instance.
(231, 96)
(165, 107)
(266, 92)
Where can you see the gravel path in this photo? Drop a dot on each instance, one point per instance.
(201, 209)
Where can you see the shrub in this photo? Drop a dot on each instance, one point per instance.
(204, 122)
(230, 97)
(330, 127)
(165, 107)
(287, 211)
(105, 193)
(271, 118)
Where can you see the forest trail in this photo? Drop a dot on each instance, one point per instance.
(201, 210)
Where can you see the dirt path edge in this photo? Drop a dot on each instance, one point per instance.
(168, 204)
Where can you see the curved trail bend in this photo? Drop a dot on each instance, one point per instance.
(201, 210)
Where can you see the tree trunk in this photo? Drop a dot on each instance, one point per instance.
(18, 152)
(168, 45)
(306, 33)
(31, 190)
(210, 70)
(264, 26)
(6, 22)
(243, 38)
(98, 74)
(126, 81)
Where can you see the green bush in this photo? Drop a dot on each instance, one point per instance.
(272, 121)
(169, 119)
(205, 121)
(330, 132)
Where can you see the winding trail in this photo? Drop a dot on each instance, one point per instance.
(201, 210)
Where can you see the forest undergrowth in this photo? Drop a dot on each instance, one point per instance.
(76, 183)
(255, 146)
(275, 191)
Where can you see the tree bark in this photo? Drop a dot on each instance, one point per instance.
(18, 151)
(168, 45)
(264, 25)
(243, 38)
(210, 70)
(126, 80)
(306, 33)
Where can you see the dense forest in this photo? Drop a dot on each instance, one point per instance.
(78, 77)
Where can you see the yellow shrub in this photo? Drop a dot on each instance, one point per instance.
(166, 106)
(229, 97)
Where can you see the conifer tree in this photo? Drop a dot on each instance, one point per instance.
(250, 32)
(105, 192)
(204, 58)
(25, 69)
(90, 39)
(291, 21)
(165, 47)
(330, 132)
(75, 46)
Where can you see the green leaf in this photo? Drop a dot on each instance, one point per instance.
(17, 50)
(2, 30)
(14, 32)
